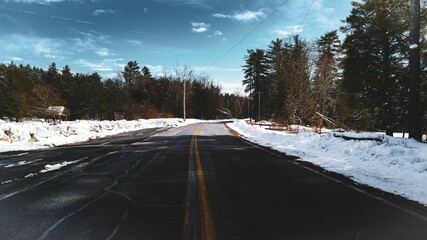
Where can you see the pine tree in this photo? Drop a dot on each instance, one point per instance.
(275, 57)
(374, 72)
(130, 72)
(146, 73)
(255, 73)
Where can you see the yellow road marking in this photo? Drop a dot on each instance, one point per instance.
(208, 228)
(196, 176)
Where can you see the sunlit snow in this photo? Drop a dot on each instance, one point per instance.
(395, 165)
(30, 135)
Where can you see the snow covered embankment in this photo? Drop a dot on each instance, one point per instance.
(394, 165)
(36, 134)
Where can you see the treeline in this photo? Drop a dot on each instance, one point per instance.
(26, 92)
(361, 83)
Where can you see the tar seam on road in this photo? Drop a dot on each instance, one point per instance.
(116, 229)
(383, 200)
(196, 176)
(107, 191)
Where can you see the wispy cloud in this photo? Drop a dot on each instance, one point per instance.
(53, 57)
(41, 48)
(62, 18)
(90, 40)
(43, 2)
(205, 4)
(156, 70)
(288, 31)
(133, 42)
(248, 16)
(99, 12)
(85, 22)
(217, 33)
(200, 27)
(32, 47)
(95, 66)
(51, 16)
(19, 10)
(103, 52)
(245, 16)
(72, 20)
(83, 44)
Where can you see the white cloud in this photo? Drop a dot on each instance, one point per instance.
(61, 18)
(16, 59)
(103, 52)
(83, 44)
(85, 22)
(288, 31)
(317, 4)
(248, 16)
(245, 16)
(205, 4)
(101, 66)
(34, 47)
(99, 12)
(218, 33)
(200, 27)
(90, 41)
(50, 56)
(220, 15)
(156, 70)
(134, 42)
(44, 2)
(41, 47)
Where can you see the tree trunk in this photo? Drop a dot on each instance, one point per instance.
(389, 132)
(414, 73)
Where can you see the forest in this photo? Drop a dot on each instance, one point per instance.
(359, 81)
(27, 91)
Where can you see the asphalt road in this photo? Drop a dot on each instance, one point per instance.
(194, 182)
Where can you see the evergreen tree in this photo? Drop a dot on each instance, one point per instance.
(130, 73)
(146, 73)
(255, 73)
(374, 72)
(275, 60)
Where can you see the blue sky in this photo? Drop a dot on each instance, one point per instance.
(103, 35)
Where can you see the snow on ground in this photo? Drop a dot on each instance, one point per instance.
(395, 165)
(38, 134)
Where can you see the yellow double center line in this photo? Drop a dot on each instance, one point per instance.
(207, 225)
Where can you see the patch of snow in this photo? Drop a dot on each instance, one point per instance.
(413, 46)
(6, 182)
(31, 135)
(56, 166)
(395, 165)
(30, 175)
(21, 163)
